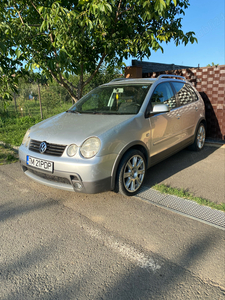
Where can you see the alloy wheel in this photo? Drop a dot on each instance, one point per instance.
(134, 173)
(201, 136)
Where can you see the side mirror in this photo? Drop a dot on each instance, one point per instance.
(160, 108)
(157, 109)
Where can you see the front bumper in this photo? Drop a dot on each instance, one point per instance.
(72, 174)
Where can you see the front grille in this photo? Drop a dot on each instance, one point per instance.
(52, 149)
(50, 177)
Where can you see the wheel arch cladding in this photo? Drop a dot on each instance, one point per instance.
(134, 146)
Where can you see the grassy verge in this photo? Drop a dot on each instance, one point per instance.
(164, 189)
(13, 126)
(13, 129)
(7, 155)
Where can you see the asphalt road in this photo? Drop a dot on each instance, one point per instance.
(62, 245)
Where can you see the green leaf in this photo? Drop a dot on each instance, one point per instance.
(2, 47)
(18, 53)
(160, 5)
(43, 25)
(67, 75)
(109, 7)
(40, 9)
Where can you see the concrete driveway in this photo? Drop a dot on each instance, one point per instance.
(201, 173)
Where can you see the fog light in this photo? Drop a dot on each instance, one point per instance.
(72, 150)
(77, 186)
(76, 182)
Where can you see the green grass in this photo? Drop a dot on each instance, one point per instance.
(7, 155)
(13, 126)
(164, 189)
(13, 129)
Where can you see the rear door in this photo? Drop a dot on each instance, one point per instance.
(165, 127)
(188, 108)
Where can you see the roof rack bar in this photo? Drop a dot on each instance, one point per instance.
(119, 79)
(171, 75)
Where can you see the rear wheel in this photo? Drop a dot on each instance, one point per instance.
(199, 138)
(131, 173)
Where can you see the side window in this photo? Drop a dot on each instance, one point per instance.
(163, 93)
(191, 90)
(185, 93)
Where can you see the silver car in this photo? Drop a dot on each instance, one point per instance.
(110, 137)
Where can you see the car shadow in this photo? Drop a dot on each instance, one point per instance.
(174, 164)
(213, 127)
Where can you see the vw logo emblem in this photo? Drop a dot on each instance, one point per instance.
(42, 147)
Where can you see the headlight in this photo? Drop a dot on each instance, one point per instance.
(26, 138)
(72, 150)
(90, 147)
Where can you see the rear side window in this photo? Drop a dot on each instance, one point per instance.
(185, 93)
(163, 93)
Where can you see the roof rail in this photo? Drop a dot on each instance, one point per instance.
(171, 75)
(120, 78)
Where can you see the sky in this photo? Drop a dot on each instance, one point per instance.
(207, 19)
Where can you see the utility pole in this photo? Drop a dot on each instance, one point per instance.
(14, 97)
(39, 97)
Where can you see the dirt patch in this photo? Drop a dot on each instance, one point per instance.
(8, 155)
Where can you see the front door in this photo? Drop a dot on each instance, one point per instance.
(165, 127)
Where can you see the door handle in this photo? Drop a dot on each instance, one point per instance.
(196, 108)
(178, 116)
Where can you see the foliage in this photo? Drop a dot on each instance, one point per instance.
(14, 125)
(212, 65)
(75, 37)
(13, 129)
(11, 66)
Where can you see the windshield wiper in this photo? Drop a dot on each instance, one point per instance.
(73, 111)
(92, 112)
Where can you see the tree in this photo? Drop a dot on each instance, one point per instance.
(9, 74)
(212, 65)
(76, 36)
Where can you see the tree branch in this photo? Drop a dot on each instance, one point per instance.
(36, 9)
(117, 12)
(96, 70)
(62, 83)
(34, 25)
(18, 11)
(20, 18)
(70, 84)
(125, 10)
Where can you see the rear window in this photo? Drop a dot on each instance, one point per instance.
(185, 92)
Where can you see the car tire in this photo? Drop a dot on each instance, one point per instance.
(199, 138)
(131, 173)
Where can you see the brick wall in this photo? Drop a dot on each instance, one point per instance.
(210, 82)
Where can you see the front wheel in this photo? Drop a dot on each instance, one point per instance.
(199, 138)
(131, 173)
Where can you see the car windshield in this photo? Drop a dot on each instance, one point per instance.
(114, 99)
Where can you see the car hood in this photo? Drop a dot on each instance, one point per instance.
(68, 128)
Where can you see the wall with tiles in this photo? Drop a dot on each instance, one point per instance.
(210, 82)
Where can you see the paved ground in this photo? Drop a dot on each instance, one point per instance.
(63, 245)
(201, 173)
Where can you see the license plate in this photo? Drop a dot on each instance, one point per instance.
(40, 163)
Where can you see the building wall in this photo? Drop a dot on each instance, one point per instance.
(210, 83)
(133, 72)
